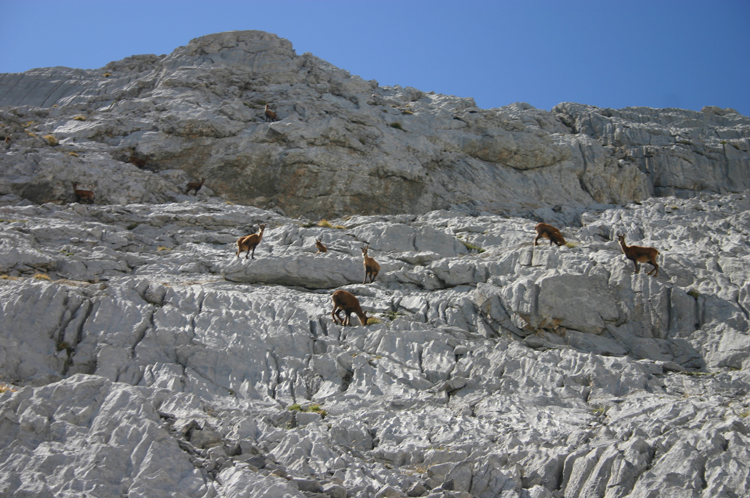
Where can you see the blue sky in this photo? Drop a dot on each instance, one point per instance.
(607, 53)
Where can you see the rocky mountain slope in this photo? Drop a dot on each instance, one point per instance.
(342, 145)
(141, 357)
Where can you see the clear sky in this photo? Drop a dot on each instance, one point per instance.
(607, 53)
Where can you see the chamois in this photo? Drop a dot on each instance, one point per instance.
(640, 254)
(549, 232)
(372, 268)
(138, 162)
(250, 242)
(320, 246)
(270, 115)
(82, 194)
(194, 186)
(346, 302)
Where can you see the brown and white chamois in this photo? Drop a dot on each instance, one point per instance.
(320, 246)
(195, 186)
(249, 242)
(346, 302)
(640, 254)
(82, 194)
(270, 115)
(546, 231)
(372, 268)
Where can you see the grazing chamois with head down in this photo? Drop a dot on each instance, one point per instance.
(320, 246)
(372, 268)
(82, 194)
(195, 186)
(640, 254)
(346, 302)
(270, 115)
(250, 242)
(546, 231)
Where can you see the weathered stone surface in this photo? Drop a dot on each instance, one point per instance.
(141, 357)
(516, 371)
(141, 128)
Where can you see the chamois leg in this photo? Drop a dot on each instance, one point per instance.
(335, 315)
(537, 239)
(655, 269)
(637, 267)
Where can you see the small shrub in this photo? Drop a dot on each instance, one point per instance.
(571, 244)
(694, 293)
(406, 111)
(41, 276)
(600, 410)
(296, 407)
(472, 247)
(6, 387)
(80, 118)
(325, 224)
(373, 320)
(107, 75)
(163, 248)
(317, 409)
(51, 140)
(132, 226)
(72, 154)
(396, 125)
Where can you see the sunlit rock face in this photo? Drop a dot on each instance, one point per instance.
(143, 127)
(141, 356)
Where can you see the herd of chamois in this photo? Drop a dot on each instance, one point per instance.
(346, 301)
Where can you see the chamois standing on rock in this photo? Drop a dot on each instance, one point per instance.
(372, 268)
(194, 186)
(320, 246)
(546, 231)
(82, 194)
(640, 254)
(348, 303)
(270, 115)
(250, 242)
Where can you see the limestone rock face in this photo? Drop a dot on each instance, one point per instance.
(140, 356)
(137, 130)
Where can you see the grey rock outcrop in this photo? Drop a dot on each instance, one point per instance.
(141, 128)
(141, 357)
(134, 336)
